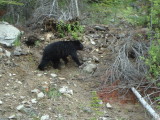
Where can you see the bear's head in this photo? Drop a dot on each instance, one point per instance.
(78, 45)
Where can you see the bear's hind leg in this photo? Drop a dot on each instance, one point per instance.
(65, 60)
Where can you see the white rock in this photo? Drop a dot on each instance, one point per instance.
(8, 54)
(39, 75)
(95, 59)
(8, 33)
(35, 91)
(92, 42)
(14, 74)
(66, 90)
(20, 107)
(108, 105)
(90, 68)
(1, 50)
(45, 117)
(62, 78)
(19, 82)
(12, 117)
(42, 38)
(40, 95)
(22, 97)
(34, 100)
(103, 118)
(0, 76)
(53, 75)
(1, 102)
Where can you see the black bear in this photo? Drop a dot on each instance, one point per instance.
(60, 50)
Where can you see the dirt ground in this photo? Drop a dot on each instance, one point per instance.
(19, 76)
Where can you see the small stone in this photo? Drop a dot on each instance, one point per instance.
(62, 78)
(45, 117)
(90, 68)
(0, 76)
(40, 95)
(39, 75)
(17, 51)
(1, 102)
(65, 90)
(8, 54)
(103, 118)
(35, 91)
(108, 105)
(42, 38)
(86, 109)
(95, 59)
(1, 50)
(12, 117)
(20, 107)
(22, 97)
(34, 100)
(92, 42)
(53, 75)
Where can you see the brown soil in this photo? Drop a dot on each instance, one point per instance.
(20, 76)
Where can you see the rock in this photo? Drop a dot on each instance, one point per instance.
(42, 38)
(18, 51)
(39, 75)
(12, 117)
(20, 107)
(121, 35)
(29, 111)
(1, 102)
(87, 109)
(101, 28)
(61, 78)
(92, 42)
(108, 105)
(40, 95)
(45, 117)
(35, 91)
(1, 50)
(103, 118)
(7, 53)
(34, 100)
(66, 90)
(96, 59)
(90, 68)
(53, 75)
(8, 34)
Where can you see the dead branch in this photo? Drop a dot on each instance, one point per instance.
(145, 104)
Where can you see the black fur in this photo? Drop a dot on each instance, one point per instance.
(60, 50)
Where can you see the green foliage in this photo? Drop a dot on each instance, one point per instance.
(17, 42)
(52, 92)
(133, 17)
(153, 61)
(96, 104)
(73, 29)
(155, 12)
(13, 2)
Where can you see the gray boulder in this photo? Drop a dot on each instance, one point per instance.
(8, 34)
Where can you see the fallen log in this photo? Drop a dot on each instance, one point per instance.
(146, 105)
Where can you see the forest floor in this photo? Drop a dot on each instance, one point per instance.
(23, 86)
